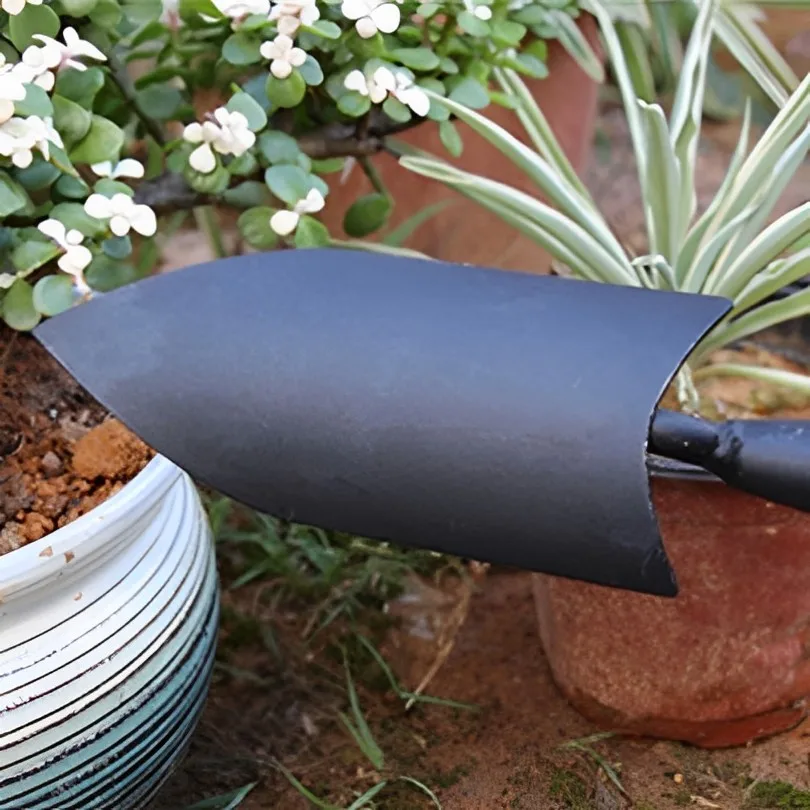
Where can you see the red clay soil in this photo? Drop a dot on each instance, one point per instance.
(60, 455)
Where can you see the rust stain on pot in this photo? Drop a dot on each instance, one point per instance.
(69, 556)
(46, 552)
(77, 597)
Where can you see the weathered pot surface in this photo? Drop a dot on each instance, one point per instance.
(724, 663)
(107, 633)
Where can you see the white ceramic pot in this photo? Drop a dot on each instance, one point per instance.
(107, 636)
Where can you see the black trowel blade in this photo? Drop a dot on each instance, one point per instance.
(492, 415)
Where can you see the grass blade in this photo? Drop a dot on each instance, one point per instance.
(793, 306)
(594, 262)
(360, 729)
(770, 376)
(305, 792)
(228, 801)
(539, 130)
(634, 44)
(556, 188)
(357, 804)
(575, 43)
(779, 274)
(402, 232)
(378, 247)
(424, 788)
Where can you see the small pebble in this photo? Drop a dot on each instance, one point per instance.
(678, 779)
(51, 464)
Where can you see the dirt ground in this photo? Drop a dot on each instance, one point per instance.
(515, 751)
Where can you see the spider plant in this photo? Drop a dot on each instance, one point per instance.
(728, 250)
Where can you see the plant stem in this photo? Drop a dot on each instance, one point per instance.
(373, 175)
(207, 222)
(121, 80)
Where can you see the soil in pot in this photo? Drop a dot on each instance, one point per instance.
(60, 453)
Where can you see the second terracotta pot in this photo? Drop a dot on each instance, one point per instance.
(724, 663)
(465, 232)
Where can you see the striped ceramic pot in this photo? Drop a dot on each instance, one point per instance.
(107, 636)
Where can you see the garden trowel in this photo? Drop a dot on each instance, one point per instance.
(492, 415)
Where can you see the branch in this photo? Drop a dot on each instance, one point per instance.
(170, 192)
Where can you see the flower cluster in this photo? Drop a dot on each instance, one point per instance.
(111, 117)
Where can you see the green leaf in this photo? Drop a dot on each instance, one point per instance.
(70, 119)
(36, 102)
(190, 9)
(18, 303)
(450, 138)
(508, 33)
(367, 214)
(53, 294)
(105, 274)
(353, 104)
(254, 225)
(77, 8)
(286, 93)
(117, 247)
(246, 195)
(396, 110)
(311, 234)
(106, 14)
(73, 216)
(39, 175)
(32, 20)
(213, 183)
(72, 187)
(278, 147)
(80, 86)
(250, 108)
(242, 49)
(529, 64)
(244, 165)
(416, 58)
(469, 23)
(288, 183)
(324, 28)
(103, 141)
(13, 196)
(311, 71)
(470, 93)
(109, 187)
(162, 101)
(31, 255)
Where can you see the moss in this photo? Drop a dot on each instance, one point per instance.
(777, 796)
(569, 790)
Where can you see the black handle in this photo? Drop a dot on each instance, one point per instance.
(767, 458)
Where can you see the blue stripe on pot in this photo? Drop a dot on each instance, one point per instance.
(107, 639)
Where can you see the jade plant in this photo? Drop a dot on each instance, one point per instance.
(730, 249)
(118, 117)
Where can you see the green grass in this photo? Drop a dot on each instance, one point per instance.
(569, 790)
(777, 796)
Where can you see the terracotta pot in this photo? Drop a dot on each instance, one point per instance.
(724, 663)
(465, 232)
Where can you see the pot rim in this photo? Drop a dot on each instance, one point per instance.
(43, 559)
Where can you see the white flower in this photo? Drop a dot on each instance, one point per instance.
(73, 49)
(228, 133)
(14, 7)
(285, 222)
(383, 82)
(37, 66)
(128, 167)
(20, 136)
(283, 56)
(411, 95)
(288, 15)
(75, 257)
(123, 213)
(483, 12)
(11, 89)
(239, 9)
(377, 87)
(170, 14)
(371, 16)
